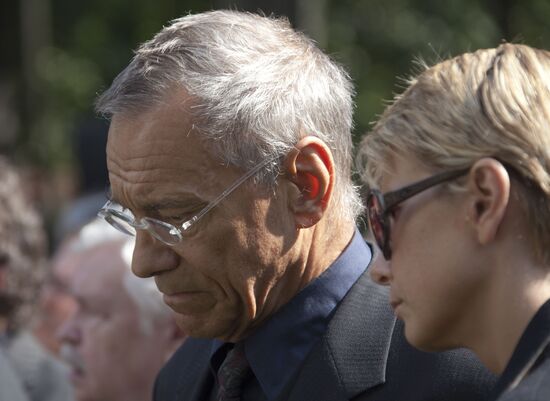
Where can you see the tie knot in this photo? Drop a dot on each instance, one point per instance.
(232, 374)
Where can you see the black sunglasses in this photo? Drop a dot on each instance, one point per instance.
(380, 205)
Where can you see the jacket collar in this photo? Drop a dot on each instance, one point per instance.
(352, 355)
(531, 346)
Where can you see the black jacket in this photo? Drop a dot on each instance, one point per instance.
(527, 375)
(363, 356)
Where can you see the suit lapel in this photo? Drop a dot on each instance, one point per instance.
(351, 357)
(529, 349)
(201, 388)
(195, 380)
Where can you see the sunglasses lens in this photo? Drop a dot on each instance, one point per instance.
(376, 214)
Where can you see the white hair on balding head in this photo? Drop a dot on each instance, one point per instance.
(142, 291)
(257, 88)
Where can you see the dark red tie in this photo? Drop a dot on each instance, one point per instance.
(232, 374)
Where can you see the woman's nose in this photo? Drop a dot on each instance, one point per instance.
(380, 271)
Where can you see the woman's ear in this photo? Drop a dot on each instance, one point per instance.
(489, 186)
(310, 167)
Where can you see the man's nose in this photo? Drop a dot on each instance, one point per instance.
(151, 257)
(380, 271)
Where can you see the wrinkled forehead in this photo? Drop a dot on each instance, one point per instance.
(167, 126)
(168, 123)
(156, 155)
(147, 142)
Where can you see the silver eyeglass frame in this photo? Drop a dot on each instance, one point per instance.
(112, 212)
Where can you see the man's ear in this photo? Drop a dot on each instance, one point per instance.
(310, 167)
(489, 185)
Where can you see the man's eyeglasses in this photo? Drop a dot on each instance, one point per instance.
(123, 219)
(379, 205)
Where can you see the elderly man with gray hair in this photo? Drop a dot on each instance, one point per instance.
(121, 332)
(229, 158)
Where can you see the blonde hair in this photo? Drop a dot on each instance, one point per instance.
(490, 103)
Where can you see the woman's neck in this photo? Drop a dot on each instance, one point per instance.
(516, 294)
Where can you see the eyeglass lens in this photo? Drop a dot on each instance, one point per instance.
(375, 213)
(119, 222)
(162, 231)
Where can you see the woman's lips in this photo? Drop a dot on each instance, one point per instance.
(395, 305)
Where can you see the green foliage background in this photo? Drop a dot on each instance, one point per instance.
(89, 42)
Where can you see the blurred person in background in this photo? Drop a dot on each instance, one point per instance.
(11, 387)
(121, 332)
(56, 304)
(459, 175)
(23, 250)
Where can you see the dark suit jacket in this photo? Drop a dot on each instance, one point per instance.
(527, 376)
(362, 356)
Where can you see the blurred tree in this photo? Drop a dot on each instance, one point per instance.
(58, 54)
(91, 42)
(379, 39)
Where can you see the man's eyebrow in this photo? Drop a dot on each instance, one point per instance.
(182, 202)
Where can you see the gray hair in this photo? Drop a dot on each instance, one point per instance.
(257, 85)
(142, 291)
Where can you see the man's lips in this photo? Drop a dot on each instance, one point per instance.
(180, 298)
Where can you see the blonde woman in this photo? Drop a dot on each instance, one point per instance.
(458, 171)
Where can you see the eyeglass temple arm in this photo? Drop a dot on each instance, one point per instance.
(393, 198)
(226, 193)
